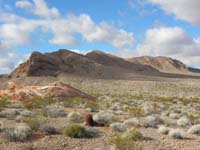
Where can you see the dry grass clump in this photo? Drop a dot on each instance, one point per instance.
(195, 129)
(75, 117)
(151, 121)
(27, 113)
(163, 130)
(118, 127)
(79, 131)
(183, 122)
(20, 133)
(174, 115)
(176, 133)
(132, 122)
(9, 113)
(37, 102)
(54, 111)
(103, 118)
(48, 130)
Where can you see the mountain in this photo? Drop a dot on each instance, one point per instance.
(164, 64)
(52, 64)
(98, 64)
(93, 64)
(117, 62)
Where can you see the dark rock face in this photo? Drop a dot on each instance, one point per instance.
(52, 64)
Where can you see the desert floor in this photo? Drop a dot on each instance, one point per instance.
(164, 113)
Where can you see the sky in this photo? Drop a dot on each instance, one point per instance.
(126, 28)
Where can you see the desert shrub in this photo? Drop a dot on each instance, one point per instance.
(20, 133)
(27, 113)
(135, 111)
(33, 123)
(75, 117)
(78, 131)
(132, 122)
(174, 115)
(193, 118)
(4, 101)
(49, 130)
(119, 127)
(122, 143)
(37, 102)
(104, 118)
(183, 121)
(176, 133)
(163, 130)
(9, 113)
(54, 111)
(151, 121)
(127, 140)
(195, 129)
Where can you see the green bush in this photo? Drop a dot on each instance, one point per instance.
(126, 141)
(77, 131)
(34, 123)
(4, 101)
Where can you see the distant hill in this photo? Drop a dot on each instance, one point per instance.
(164, 64)
(97, 64)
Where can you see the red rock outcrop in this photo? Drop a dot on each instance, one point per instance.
(57, 91)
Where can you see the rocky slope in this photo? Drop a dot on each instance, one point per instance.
(57, 91)
(164, 64)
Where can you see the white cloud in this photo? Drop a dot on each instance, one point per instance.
(6, 65)
(24, 4)
(187, 10)
(18, 31)
(11, 60)
(63, 28)
(172, 42)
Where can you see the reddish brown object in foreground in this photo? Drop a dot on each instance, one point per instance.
(57, 91)
(89, 120)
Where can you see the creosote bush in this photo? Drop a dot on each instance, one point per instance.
(4, 101)
(34, 123)
(127, 140)
(77, 131)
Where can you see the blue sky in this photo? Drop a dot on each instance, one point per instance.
(125, 28)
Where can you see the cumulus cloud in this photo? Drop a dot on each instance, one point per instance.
(60, 29)
(65, 27)
(187, 10)
(172, 42)
(9, 61)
